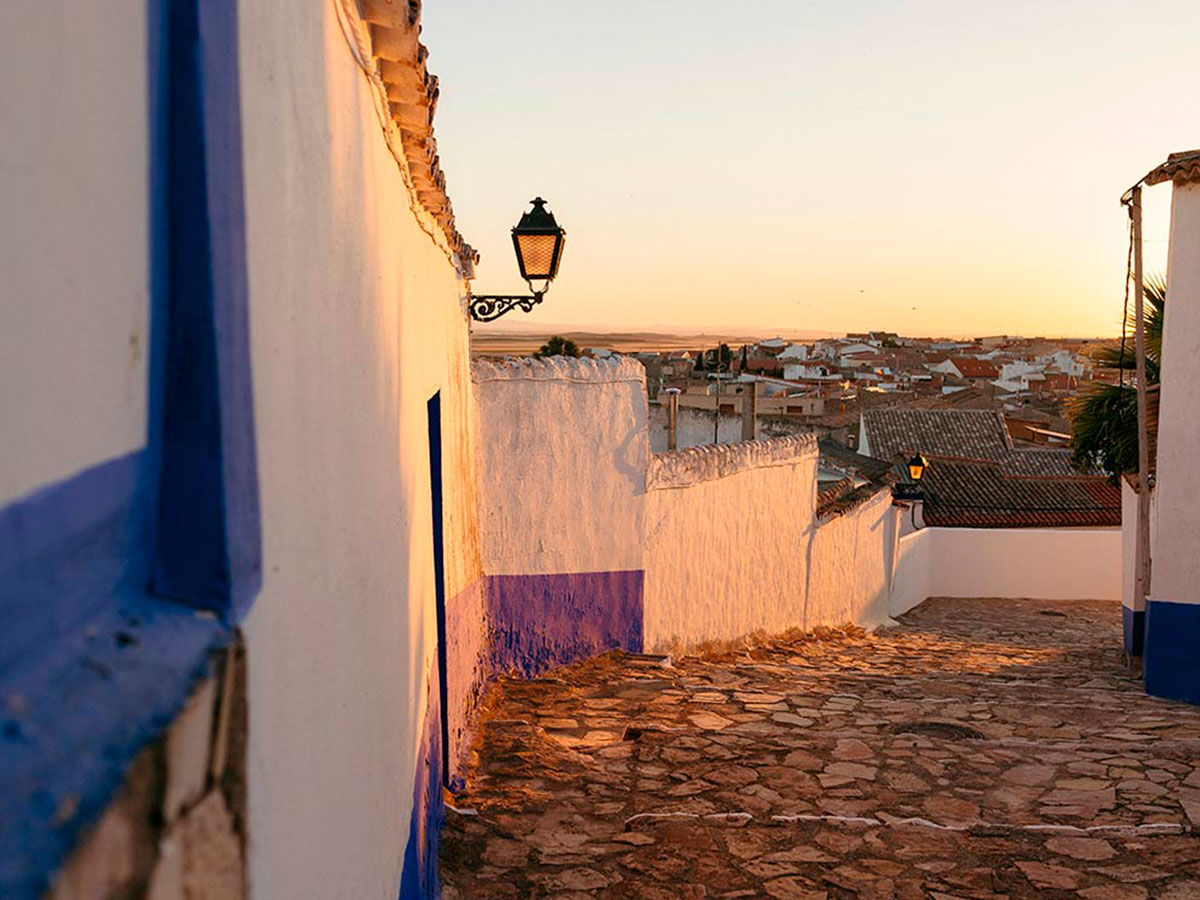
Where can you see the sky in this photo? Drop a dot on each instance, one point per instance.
(933, 168)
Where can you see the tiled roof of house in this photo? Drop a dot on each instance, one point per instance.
(980, 494)
(975, 368)
(1040, 462)
(840, 497)
(842, 457)
(385, 42)
(1180, 168)
(971, 434)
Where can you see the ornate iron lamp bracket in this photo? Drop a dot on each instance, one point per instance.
(489, 307)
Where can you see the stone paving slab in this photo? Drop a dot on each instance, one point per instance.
(981, 749)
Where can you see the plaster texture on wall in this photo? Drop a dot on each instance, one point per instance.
(1047, 563)
(693, 465)
(1133, 607)
(562, 457)
(542, 621)
(692, 427)
(74, 240)
(1044, 563)
(911, 580)
(468, 665)
(1176, 572)
(357, 320)
(562, 460)
(850, 566)
(727, 528)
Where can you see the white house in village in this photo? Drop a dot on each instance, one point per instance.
(810, 371)
(794, 351)
(1019, 370)
(1066, 361)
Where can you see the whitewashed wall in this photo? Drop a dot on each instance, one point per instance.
(1176, 574)
(563, 452)
(912, 578)
(1129, 542)
(356, 320)
(694, 427)
(851, 566)
(74, 239)
(1044, 563)
(727, 530)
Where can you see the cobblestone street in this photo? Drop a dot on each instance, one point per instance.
(982, 749)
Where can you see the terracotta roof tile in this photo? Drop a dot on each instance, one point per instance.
(842, 457)
(980, 494)
(1039, 462)
(975, 368)
(386, 41)
(842, 496)
(972, 434)
(1179, 168)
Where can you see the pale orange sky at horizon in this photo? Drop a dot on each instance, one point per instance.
(938, 167)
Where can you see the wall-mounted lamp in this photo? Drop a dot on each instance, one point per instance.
(538, 242)
(917, 467)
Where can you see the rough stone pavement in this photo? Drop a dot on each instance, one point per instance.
(785, 771)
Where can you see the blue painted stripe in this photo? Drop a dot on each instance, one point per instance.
(541, 621)
(467, 672)
(1133, 625)
(1171, 661)
(419, 876)
(75, 719)
(65, 551)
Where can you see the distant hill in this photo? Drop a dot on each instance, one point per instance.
(497, 342)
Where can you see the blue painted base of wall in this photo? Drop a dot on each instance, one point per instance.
(1134, 626)
(467, 662)
(419, 878)
(542, 621)
(1171, 661)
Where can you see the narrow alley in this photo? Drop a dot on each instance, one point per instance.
(981, 749)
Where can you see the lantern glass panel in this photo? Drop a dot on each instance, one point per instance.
(916, 468)
(537, 255)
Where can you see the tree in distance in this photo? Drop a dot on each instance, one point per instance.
(557, 346)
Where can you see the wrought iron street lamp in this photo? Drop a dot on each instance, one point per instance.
(916, 468)
(916, 471)
(538, 242)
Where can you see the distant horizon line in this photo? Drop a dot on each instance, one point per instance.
(510, 330)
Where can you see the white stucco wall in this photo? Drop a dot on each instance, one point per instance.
(850, 570)
(912, 578)
(1046, 563)
(563, 450)
(1176, 563)
(727, 529)
(1129, 543)
(356, 320)
(74, 239)
(694, 427)
(1043, 563)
